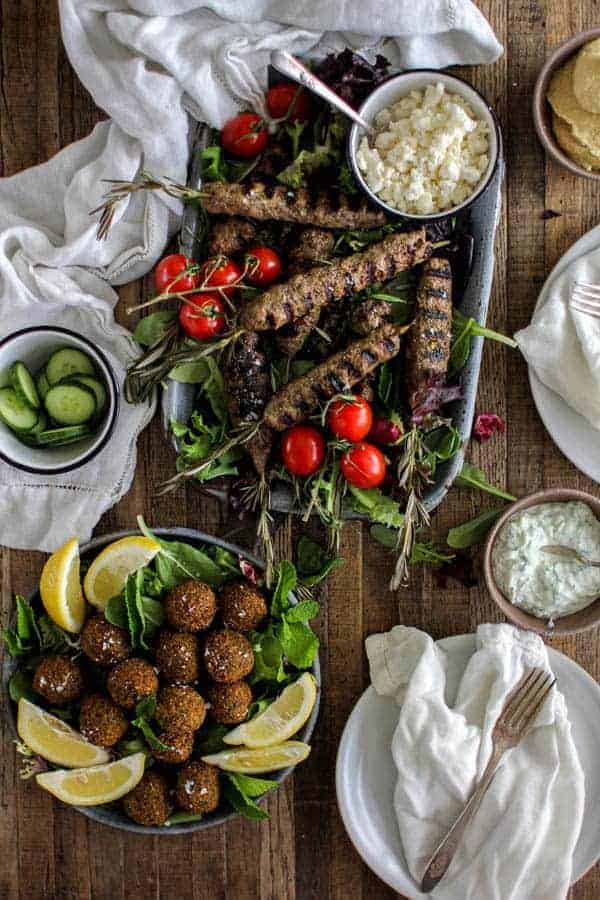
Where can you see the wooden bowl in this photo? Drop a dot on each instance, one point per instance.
(542, 112)
(571, 624)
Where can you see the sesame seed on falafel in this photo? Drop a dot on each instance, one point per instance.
(101, 721)
(177, 656)
(228, 656)
(58, 680)
(191, 606)
(229, 703)
(179, 746)
(243, 607)
(198, 789)
(104, 643)
(179, 708)
(130, 681)
(147, 803)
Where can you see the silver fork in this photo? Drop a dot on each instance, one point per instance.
(514, 722)
(585, 298)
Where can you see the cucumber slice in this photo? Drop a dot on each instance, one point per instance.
(17, 415)
(93, 384)
(31, 437)
(23, 383)
(57, 437)
(66, 362)
(70, 404)
(42, 384)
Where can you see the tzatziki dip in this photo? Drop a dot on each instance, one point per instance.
(545, 585)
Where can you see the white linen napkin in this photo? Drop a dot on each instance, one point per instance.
(147, 63)
(520, 844)
(563, 346)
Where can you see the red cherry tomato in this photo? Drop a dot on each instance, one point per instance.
(280, 98)
(244, 135)
(364, 466)
(384, 432)
(219, 273)
(350, 420)
(202, 316)
(167, 270)
(264, 266)
(302, 449)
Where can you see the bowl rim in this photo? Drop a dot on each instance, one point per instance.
(444, 214)
(107, 815)
(540, 106)
(565, 625)
(96, 353)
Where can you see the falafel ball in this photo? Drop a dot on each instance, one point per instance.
(198, 789)
(147, 803)
(179, 747)
(180, 708)
(177, 656)
(243, 607)
(130, 681)
(104, 643)
(229, 703)
(191, 606)
(228, 656)
(58, 679)
(101, 721)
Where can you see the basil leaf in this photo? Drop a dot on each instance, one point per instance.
(152, 328)
(473, 532)
(472, 477)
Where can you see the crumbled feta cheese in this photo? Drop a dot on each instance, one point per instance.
(430, 152)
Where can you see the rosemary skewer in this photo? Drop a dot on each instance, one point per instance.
(412, 476)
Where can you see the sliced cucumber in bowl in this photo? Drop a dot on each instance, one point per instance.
(70, 404)
(67, 362)
(94, 385)
(58, 437)
(24, 385)
(19, 416)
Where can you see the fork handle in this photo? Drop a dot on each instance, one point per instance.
(440, 861)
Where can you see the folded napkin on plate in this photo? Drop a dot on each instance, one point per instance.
(520, 844)
(562, 345)
(147, 63)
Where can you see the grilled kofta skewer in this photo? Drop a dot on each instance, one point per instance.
(301, 294)
(258, 200)
(298, 399)
(430, 337)
(248, 387)
(230, 236)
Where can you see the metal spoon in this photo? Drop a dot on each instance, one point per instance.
(292, 68)
(570, 553)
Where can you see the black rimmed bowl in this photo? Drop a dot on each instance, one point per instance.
(33, 346)
(394, 89)
(112, 815)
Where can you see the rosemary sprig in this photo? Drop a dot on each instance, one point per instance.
(412, 476)
(256, 497)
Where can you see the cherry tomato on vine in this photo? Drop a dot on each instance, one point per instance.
(167, 270)
(219, 273)
(302, 449)
(280, 98)
(264, 266)
(350, 420)
(244, 135)
(364, 466)
(202, 316)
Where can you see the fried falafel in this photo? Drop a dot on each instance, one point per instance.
(148, 802)
(101, 721)
(243, 607)
(198, 789)
(228, 656)
(58, 680)
(104, 643)
(191, 606)
(130, 681)
(180, 708)
(229, 703)
(177, 657)
(179, 746)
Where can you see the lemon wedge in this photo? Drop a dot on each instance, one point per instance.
(257, 760)
(108, 573)
(96, 785)
(279, 721)
(53, 739)
(60, 588)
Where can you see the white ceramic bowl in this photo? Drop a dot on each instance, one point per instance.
(33, 346)
(393, 90)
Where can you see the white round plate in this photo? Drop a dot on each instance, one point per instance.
(571, 433)
(366, 774)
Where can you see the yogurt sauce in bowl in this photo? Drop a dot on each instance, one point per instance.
(548, 586)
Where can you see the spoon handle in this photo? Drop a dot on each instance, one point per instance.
(292, 68)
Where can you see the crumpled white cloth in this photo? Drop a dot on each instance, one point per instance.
(563, 346)
(148, 63)
(520, 844)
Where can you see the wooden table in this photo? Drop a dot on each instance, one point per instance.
(50, 851)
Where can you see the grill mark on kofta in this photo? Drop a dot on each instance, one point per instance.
(428, 350)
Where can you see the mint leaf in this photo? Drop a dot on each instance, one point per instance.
(239, 802)
(285, 584)
(252, 787)
(268, 656)
(302, 612)
(299, 642)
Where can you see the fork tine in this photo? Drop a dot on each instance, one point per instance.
(526, 698)
(528, 717)
(516, 694)
(540, 686)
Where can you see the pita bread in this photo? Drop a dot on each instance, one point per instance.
(580, 154)
(586, 77)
